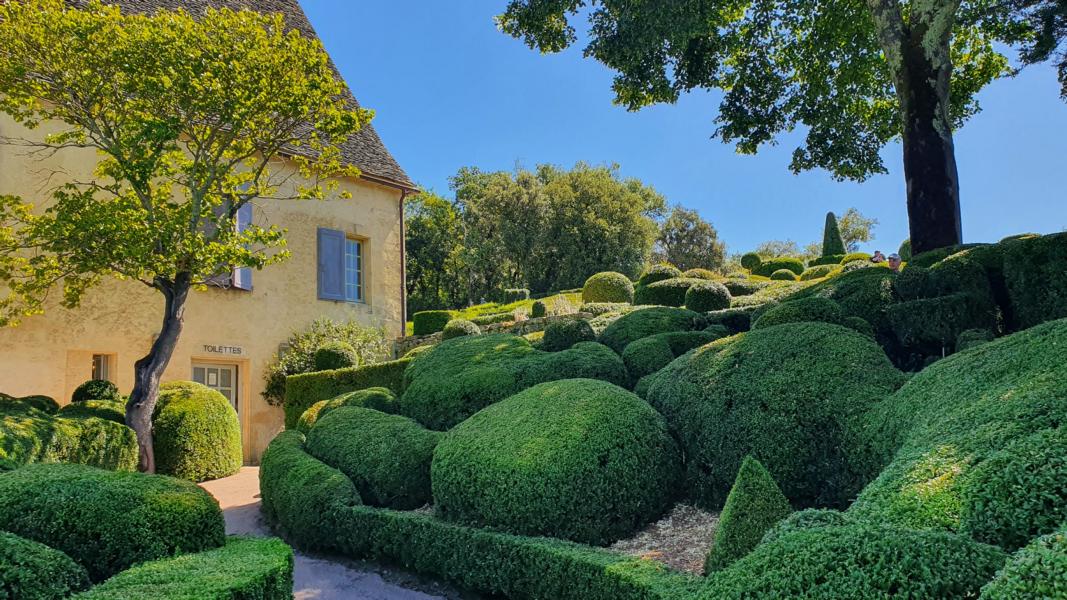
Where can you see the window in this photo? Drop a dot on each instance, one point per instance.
(237, 278)
(341, 267)
(101, 367)
(353, 270)
(221, 378)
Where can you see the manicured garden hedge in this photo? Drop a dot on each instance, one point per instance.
(459, 328)
(783, 275)
(707, 296)
(110, 410)
(668, 292)
(563, 335)
(95, 389)
(767, 267)
(608, 287)
(30, 570)
(658, 273)
(649, 321)
(1037, 571)
(754, 505)
(378, 398)
(42, 403)
(699, 273)
(648, 355)
(814, 308)
(108, 521)
(751, 260)
(30, 436)
(301, 391)
(430, 321)
(335, 354)
(744, 287)
(196, 434)
(243, 569)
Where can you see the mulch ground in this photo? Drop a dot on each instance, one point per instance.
(679, 540)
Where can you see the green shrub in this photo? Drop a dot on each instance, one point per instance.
(751, 261)
(867, 294)
(243, 569)
(335, 355)
(783, 275)
(1037, 571)
(301, 391)
(792, 396)
(601, 308)
(109, 410)
(669, 292)
(430, 321)
(196, 433)
(515, 295)
(459, 377)
(459, 327)
(658, 273)
(484, 320)
(905, 250)
(800, 310)
(608, 287)
(832, 242)
(927, 259)
(1000, 403)
(562, 335)
(790, 263)
(754, 505)
(108, 521)
(550, 459)
(973, 337)
(303, 495)
(32, 436)
(378, 398)
(10, 404)
(860, 325)
(96, 389)
(744, 287)
(386, 456)
(700, 274)
(809, 518)
(860, 561)
(648, 355)
(707, 296)
(854, 256)
(932, 324)
(538, 309)
(735, 320)
(30, 570)
(817, 272)
(648, 321)
(1036, 279)
(830, 259)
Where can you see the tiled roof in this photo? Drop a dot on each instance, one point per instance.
(364, 149)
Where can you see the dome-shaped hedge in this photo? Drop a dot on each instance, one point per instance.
(792, 396)
(33, 571)
(387, 457)
(782, 262)
(783, 275)
(608, 287)
(378, 398)
(818, 272)
(744, 287)
(648, 355)
(196, 433)
(668, 292)
(658, 273)
(562, 335)
(576, 459)
(648, 321)
(1037, 571)
(814, 308)
(96, 389)
(707, 296)
(109, 410)
(699, 273)
(751, 261)
(459, 328)
(335, 355)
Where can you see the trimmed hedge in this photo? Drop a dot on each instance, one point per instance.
(551, 459)
(866, 293)
(831, 236)
(602, 308)
(196, 433)
(95, 389)
(108, 521)
(335, 354)
(515, 295)
(707, 296)
(853, 256)
(539, 309)
(817, 272)
(483, 320)
(809, 518)
(793, 396)
(1037, 571)
(829, 259)
(459, 377)
(783, 275)
(754, 505)
(243, 569)
(797, 311)
(699, 273)
(789, 263)
(905, 250)
(9, 404)
(668, 292)
(973, 337)
(301, 391)
(31, 436)
(378, 398)
(30, 570)
(1035, 274)
(458, 328)
(386, 456)
(109, 410)
(751, 261)
(859, 561)
(658, 273)
(648, 355)
(744, 287)
(735, 320)
(563, 335)
(648, 321)
(608, 287)
(430, 321)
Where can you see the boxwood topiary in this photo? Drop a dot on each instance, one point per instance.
(515, 295)
(700, 274)
(30, 436)
(301, 391)
(648, 321)
(538, 309)
(707, 296)
(782, 262)
(814, 308)
(867, 294)
(196, 433)
(551, 459)
(648, 355)
(96, 389)
(10, 404)
(735, 320)
(754, 505)
(562, 335)
(744, 287)
(658, 273)
(335, 354)
(751, 261)
(854, 256)
(430, 321)
(829, 259)
(905, 250)
(608, 287)
(459, 327)
(817, 272)
(378, 398)
(602, 308)
(109, 410)
(386, 456)
(809, 518)
(108, 521)
(973, 337)
(668, 292)
(1037, 571)
(783, 275)
(792, 396)
(30, 570)
(1036, 278)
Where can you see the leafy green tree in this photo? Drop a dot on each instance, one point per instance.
(855, 229)
(1048, 20)
(188, 117)
(434, 246)
(854, 74)
(831, 237)
(776, 248)
(687, 241)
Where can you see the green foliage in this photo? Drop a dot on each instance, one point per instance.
(108, 521)
(109, 410)
(1036, 279)
(929, 325)
(459, 377)
(299, 357)
(600, 308)
(42, 403)
(515, 295)
(243, 569)
(668, 292)
(754, 505)
(608, 287)
(32, 436)
(433, 237)
(430, 321)
(809, 518)
(335, 355)
(975, 442)
(505, 317)
(688, 241)
(301, 391)
(32, 571)
(867, 294)
(831, 259)
(860, 325)
(783, 275)
(973, 337)
(197, 434)
(855, 229)
(699, 273)
(860, 561)
(735, 320)
(378, 398)
(817, 272)
(658, 272)
(814, 308)
(744, 287)
(905, 251)
(792, 396)
(563, 335)
(458, 328)
(707, 296)
(1037, 571)
(768, 267)
(854, 256)
(538, 309)
(549, 459)
(831, 237)
(96, 389)
(751, 261)
(648, 321)
(386, 456)
(650, 354)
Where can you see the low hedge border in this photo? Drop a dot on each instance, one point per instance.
(31, 436)
(301, 391)
(30, 570)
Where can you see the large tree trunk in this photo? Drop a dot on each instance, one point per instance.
(149, 370)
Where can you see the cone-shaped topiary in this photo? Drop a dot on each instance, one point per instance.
(831, 236)
(608, 287)
(196, 433)
(335, 355)
(754, 505)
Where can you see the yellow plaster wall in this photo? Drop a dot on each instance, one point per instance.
(51, 353)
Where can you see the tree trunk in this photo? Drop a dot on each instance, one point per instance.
(929, 155)
(149, 370)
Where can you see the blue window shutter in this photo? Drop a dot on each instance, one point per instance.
(222, 280)
(331, 264)
(242, 277)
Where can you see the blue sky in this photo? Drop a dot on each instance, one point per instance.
(450, 90)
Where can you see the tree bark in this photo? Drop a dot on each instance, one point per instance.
(149, 370)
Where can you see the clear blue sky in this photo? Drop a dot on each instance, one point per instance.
(451, 91)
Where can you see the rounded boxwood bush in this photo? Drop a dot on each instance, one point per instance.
(809, 518)
(458, 328)
(387, 457)
(42, 403)
(96, 389)
(539, 309)
(335, 355)
(430, 321)
(860, 561)
(814, 308)
(817, 272)
(905, 250)
(1037, 571)
(608, 287)
(196, 433)
(648, 321)
(783, 275)
(30, 570)
(378, 398)
(105, 520)
(576, 459)
(973, 337)
(782, 262)
(669, 292)
(699, 273)
(562, 335)
(751, 261)
(109, 410)
(658, 273)
(829, 259)
(648, 355)
(744, 287)
(854, 256)
(707, 296)
(792, 396)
